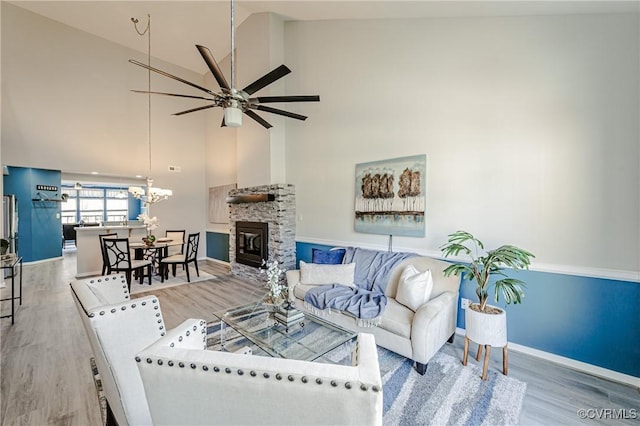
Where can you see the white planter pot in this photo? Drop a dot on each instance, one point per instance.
(486, 329)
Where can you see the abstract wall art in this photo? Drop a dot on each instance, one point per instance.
(391, 196)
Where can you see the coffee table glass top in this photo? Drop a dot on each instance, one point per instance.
(306, 340)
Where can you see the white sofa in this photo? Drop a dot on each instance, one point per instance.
(118, 328)
(416, 335)
(187, 385)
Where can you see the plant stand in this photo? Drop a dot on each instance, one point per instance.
(487, 330)
(485, 366)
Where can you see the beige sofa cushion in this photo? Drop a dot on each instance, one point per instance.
(320, 274)
(397, 319)
(414, 287)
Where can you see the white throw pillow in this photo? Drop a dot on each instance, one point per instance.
(318, 274)
(414, 287)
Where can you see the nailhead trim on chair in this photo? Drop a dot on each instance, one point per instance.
(114, 277)
(278, 376)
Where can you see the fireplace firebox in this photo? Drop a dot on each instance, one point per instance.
(252, 243)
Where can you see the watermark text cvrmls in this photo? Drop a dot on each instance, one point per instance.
(608, 413)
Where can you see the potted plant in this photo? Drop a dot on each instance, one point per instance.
(486, 324)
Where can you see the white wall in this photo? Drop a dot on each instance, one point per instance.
(67, 106)
(529, 124)
(249, 155)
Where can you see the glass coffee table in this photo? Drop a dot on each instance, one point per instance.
(255, 323)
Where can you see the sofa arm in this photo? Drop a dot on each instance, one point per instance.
(293, 278)
(433, 324)
(191, 334)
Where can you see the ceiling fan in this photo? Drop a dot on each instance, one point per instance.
(235, 102)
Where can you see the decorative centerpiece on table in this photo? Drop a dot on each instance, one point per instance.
(150, 223)
(277, 291)
(283, 311)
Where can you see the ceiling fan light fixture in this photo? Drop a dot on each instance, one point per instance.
(232, 117)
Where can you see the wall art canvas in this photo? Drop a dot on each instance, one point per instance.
(218, 207)
(391, 196)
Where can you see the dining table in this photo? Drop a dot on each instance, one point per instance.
(154, 252)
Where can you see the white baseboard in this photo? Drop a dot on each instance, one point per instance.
(222, 262)
(35, 262)
(584, 367)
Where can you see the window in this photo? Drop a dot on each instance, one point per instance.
(95, 205)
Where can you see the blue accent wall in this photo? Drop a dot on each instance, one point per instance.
(218, 246)
(39, 224)
(135, 207)
(593, 320)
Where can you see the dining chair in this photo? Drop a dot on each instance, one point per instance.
(105, 259)
(119, 255)
(175, 235)
(190, 256)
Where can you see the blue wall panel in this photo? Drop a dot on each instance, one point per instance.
(218, 246)
(39, 225)
(593, 320)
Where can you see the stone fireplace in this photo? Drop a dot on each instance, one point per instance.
(267, 211)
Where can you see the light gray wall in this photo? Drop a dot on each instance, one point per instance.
(67, 105)
(529, 124)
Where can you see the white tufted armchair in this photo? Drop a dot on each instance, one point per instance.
(188, 385)
(118, 328)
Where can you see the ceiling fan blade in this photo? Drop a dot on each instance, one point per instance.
(175, 94)
(166, 74)
(271, 99)
(259, 119)
(267, 79)
(213, 66)
(195, 109)
(281, 112)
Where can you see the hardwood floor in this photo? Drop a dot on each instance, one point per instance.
(46, 378)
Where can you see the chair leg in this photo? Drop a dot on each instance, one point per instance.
(162, 266)
(466, 351)
(111, 419)
(150, 273)
(195, 262)
(186, 267)
(479, 354)
(128, 275)
(505, 360)
(173, 269)
(485, 366)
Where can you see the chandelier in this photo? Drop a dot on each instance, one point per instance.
(148, 195)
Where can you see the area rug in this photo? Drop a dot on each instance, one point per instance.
(448, 394)
(179, 279)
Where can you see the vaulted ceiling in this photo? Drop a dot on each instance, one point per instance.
(178, 25)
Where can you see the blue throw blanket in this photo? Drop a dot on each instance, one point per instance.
(366, 301)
